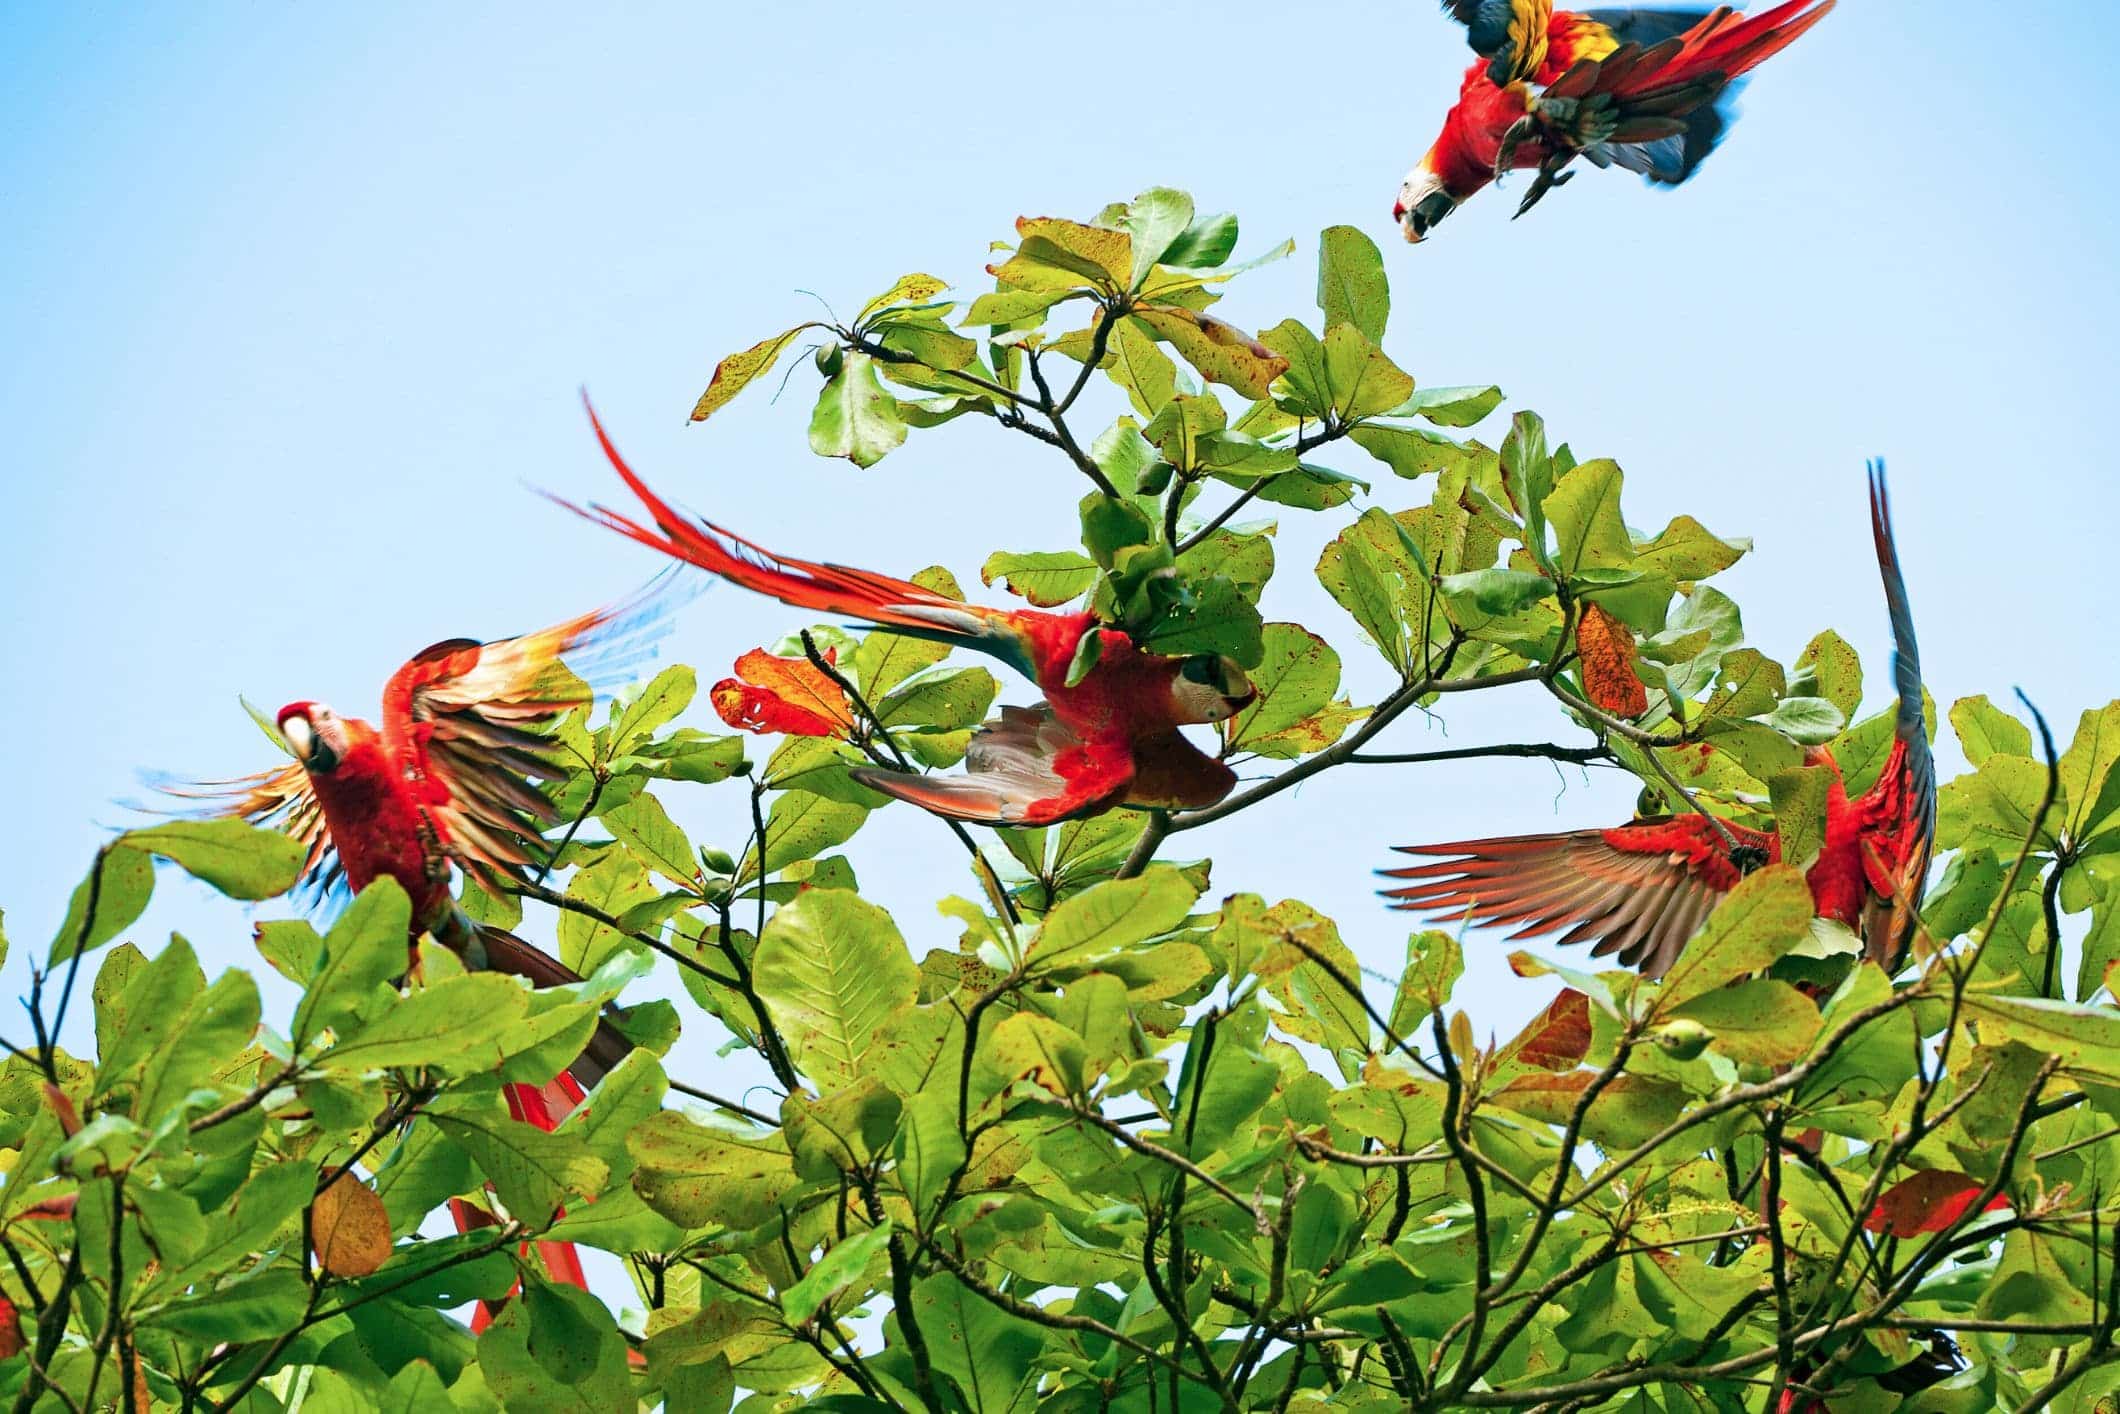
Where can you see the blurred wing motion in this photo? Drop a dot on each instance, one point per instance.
(1900, 835)
(1023, 768)
(896, 604)
(465, 721)
(1639, 891)
(281, 799)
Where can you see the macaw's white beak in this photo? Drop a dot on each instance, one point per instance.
(301, 738)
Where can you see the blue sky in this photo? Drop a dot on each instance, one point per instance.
(298, 298)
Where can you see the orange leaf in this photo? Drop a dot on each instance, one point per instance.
(787, 695)
(1930, 1201)
(1608, 664)
(1559, 1037)
(349, 1228)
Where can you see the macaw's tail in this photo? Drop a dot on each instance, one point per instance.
(1723, 47)
(543, 1106)
(897, 604)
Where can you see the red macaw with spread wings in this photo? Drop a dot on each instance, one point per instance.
(1105, 736)
(1643, 889)
(446, 781)
(1636, 88)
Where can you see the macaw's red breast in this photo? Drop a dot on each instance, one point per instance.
(379, 828)
(1127, 693)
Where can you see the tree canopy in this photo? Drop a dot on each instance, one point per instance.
(1138, 1139)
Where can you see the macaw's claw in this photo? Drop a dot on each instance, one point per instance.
(1549, 177)
(1518, 132)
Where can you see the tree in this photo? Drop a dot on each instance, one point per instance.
(1134, 1143)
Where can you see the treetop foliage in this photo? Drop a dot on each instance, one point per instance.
(1129, 1137)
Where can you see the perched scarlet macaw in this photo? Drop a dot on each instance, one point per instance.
(1639, 88)
(1110, 738)
(446, 779)
(1642, 890)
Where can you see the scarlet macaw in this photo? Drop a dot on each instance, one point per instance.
(446, 779)
(1639, 88)
(1106, 738)
(1643, 889)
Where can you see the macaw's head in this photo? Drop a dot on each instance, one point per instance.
(315, 734)
(1211, 688)
(1423, 200)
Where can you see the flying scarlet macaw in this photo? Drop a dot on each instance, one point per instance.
(1640, 88)
(1106, 739)
(446, 781)
(1642, 890)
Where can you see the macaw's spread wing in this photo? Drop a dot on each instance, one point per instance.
(897, 604)
(1640, 891)
(1023, 768)
(280, 800)
(465, 720)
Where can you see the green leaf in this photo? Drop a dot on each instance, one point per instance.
(533, 1171)
(802, 825)
(1687, 550)
(121, 881)
(908, 289)
(1809, 721)
(1758, 921)
(723, 1173)
(1497, 591)
(456, 1026)
(1450, 407)
(1109, 918)
(928, 1148)
(363, 951)
(2086, 1038)
(556, 1349)
(1205, 244)
(1044, 578)
(652, 837)
(2086, 768)
(1298, 674)
(1584, 509)
(1799, 797)
(855, 418)
(1986, 730)
(1829, 668)
(988, 1352)
(240, 859)
(736, 372)
(833, 970)
(1761, 1021)
(1155, 220)
(1415, 451)
(654, 706)
(257, 1309)
(1352, 288)
(834, 1272)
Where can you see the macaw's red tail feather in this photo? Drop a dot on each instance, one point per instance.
(543, 1106)
(806, 584)
(1723, 47)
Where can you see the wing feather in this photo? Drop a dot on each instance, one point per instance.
(1025, 767)
(1640, 891)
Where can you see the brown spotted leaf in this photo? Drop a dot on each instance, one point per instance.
(349, 1228)
(1608, 665)
(738, 370)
